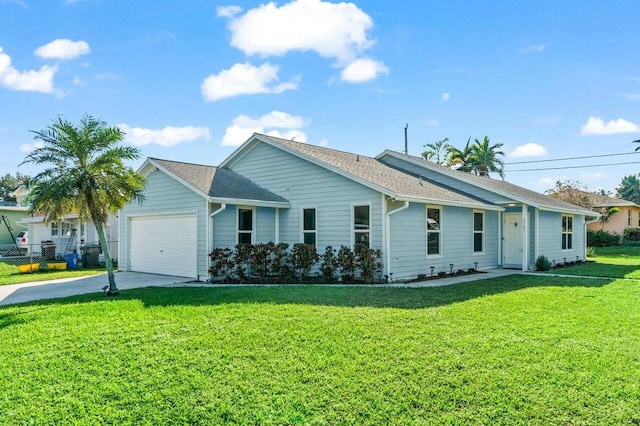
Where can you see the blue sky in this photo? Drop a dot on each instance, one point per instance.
(189, 81)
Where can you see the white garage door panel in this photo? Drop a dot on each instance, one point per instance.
(165, 245)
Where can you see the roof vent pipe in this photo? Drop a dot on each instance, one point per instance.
(406, 140)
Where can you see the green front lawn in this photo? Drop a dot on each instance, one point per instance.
(10, 274)
(516, 350)
(614, 262)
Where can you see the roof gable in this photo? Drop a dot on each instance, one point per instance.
(367, 171)
(216, 183)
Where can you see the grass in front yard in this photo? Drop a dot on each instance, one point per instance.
(516, 350)
(613, 262)
(9, 274)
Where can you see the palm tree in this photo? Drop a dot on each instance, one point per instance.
(84, 174)
(486, 157)
(436, 151)
(629, 189)
(460, 159)
(605, 215)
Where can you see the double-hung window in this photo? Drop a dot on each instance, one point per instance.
(478, 232)
(567, 232)
(60, 229)
(245, 226)
(434, 236)
(362, 224)
(309, 230)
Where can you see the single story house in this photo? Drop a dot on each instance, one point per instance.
(420, 215)
(627, 217)
(68, 234)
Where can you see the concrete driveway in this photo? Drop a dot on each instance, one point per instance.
(27, 292)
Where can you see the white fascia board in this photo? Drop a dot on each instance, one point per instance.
(567, 211)
(241, 151)
(433, 201)
(253, 203)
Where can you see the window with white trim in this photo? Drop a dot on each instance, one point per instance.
(434, 237)
(245, 226)
(478, 232)
(309, 231)
(362, 224)
(567, 232)
(60, 229)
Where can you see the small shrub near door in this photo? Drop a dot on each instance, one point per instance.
(542, 264)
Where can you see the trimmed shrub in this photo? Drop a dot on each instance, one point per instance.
(602, 239)
(631, 234)
(542, 264)
(329, 264)
(304, 257)
(347, 264)
(367, 261)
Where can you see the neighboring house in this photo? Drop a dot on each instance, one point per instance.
(418, 213)
(13, 215)
(627, 217)
(68, 234)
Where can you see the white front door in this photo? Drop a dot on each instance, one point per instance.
(512, 240)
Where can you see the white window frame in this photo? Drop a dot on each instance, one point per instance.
(482, 232)
(567, 233)
(253, 224)
(353, 223)
(59, 230)
(427, 232)
(315, 224)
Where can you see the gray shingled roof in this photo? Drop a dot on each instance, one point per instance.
(369, 169)
(505, 187)
(217, 182)
(599, 200)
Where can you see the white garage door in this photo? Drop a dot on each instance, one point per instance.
(165, 245)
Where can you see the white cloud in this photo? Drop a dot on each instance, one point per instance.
(529, 150)
(333, 30)
(18, 2)
(431, 121)
(532, 48)
(323, 142)
(362, 70)
(597, 126)
(244, 79)
(28, 81)
(77, 81)
(63, 48)
(445, 97)
(228, 11)
(28, 147)
(276, 123)
(167, 136)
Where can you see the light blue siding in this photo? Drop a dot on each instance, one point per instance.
(408, 241)
(165, 195)
(443, 179)
(305, 184)
(550, 237)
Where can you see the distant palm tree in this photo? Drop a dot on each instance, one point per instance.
(605, 215)
(629, 189)
(486, 157)
(85, 174)
(436, 151)
(460, 159)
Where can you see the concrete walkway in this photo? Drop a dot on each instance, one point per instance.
(27, 292)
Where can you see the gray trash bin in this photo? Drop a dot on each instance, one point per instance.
(48, 249)
(90, 255)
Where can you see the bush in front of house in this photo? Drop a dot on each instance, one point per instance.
(631, 235)
(269, 263)
(542, 264)
(602, 238)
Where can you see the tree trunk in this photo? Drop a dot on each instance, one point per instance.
(113, 290)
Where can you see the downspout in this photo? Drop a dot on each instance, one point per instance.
(388, 236)
(277, 225)
(500, 241)
(537, 230)
(210, 227)
(222, 208)
(525, 238)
